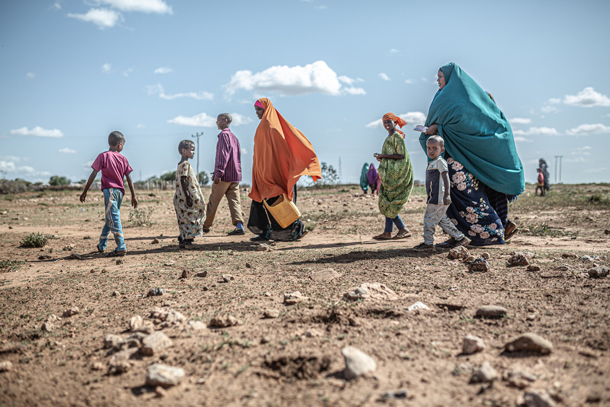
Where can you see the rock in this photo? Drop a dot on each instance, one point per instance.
(168, 316)
(459, 252)
(568, 255)
(75, 256)
(116, 293)
(518, 378)
(479, 265)
(48, 326)
(371, 291)
(227, 277)
(589, 259)
(202, 274)
(160, 392)
(357, 363)
(492, 311)
(185, 274)
(324, 275)
(536, 398)
(119, 262)
(163, 375)
(195, 326)
(119, 362)
(485, 255)
(44, 257)
(533, 267)
(68, 248)
(529, 342)
(312, 333)
(265, 339)
(112, 341)
(294, 298)
(224, 321)
(262, 247)
(354, 321)
(145, 329)
(70, 312)
(598, 272)
(271, 313)
(155, 343)
(472, 344)
(248, 266)
(87, 238)
(153, 292)
(469, 259)
(5, 366)
(518, 259)
(97, 366)
(485, 374)
(417, 305)
(155, 241)
(135, 323)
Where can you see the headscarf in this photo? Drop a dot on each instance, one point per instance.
(476, 132)
(399, 122)
(282, 154)
(363, 177)
(372, 175)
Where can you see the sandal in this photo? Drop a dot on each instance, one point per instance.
(381, 237)
(510, 230)
(402, 235)
(447, 244)
(99, 249)
(116, 254)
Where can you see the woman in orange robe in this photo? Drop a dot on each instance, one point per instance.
(282, 154)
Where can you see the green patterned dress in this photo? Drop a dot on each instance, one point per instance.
(396, 177)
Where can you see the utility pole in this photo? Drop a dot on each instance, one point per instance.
(558, 167)
(340, 172)
(197, 135)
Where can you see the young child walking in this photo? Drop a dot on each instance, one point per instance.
(188, 199)
(439, 198)
(114, 166)
(540, 185)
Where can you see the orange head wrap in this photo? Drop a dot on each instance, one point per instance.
(399, 122)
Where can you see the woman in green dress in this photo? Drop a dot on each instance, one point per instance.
(396, 174)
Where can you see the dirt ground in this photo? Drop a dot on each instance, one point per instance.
(294, 357)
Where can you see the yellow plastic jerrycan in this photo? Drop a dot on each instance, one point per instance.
(283, 210)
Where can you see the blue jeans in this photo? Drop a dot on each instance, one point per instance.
(113, 198)
(389, 223)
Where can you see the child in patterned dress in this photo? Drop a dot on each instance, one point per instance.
(188, 199)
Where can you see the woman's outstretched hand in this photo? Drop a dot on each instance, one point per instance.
(432, 130)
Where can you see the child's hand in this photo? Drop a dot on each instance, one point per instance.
(216, 181)
(447, 200)
(83, 196)
(134, 201)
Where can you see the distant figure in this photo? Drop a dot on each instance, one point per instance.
(227, 175)
(372, 177)
(364, 184)
(540, 185)
(396, 174)
(188, 199)
(114, 167)
(545, 172)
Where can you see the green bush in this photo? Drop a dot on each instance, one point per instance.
(141, 217)
(34, 240)
(56, 180)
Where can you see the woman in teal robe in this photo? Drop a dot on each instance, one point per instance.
(364, 183)
(484, 167)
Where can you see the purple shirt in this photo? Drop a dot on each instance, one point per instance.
(228, 157)
(114, 167)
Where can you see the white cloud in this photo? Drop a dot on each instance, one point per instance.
(599, 169)
(143, 6)
(519, 120)
(424, 79)
(31, 75)
(199, 120)
(413, 118)
(37, 132)
(140, 126)
(588, 97)
(348, 80)
(67, 150)
(317, 77)
(244, 151)
(384, 76)
(522, 139)
(409, 81)
(57, 6)
(102, 17)
(7, 165)
(87, 165)
(575, 160)
(584, 148)
(106, 68)
(394, 51)
(585, 129)
(537, 131)
(320, 7)
(240, 119)
(554, 101)
(127, 72)
(164, 69)
(158, 89)
(549, 109)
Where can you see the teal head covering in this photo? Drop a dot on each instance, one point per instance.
(364, 184)
(475, 131)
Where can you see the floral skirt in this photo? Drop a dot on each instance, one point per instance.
(470, 210)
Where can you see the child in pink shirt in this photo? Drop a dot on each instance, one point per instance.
(114, 167)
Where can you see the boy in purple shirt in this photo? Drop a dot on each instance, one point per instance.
(114, 167)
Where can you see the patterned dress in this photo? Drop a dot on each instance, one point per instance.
(190, 220)
(396, 177)
(470, 210)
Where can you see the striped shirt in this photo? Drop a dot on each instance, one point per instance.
(228, 157)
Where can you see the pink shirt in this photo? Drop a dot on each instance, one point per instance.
(114, 167)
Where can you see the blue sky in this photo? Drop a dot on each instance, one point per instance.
(162, 70)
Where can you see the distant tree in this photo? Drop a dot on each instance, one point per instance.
(168, 176)
(329, 175)
(204, 178)
(57, 180)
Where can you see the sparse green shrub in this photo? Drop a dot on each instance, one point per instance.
(34, 240)
(57, 180)
(10, 265)
(141, 217)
